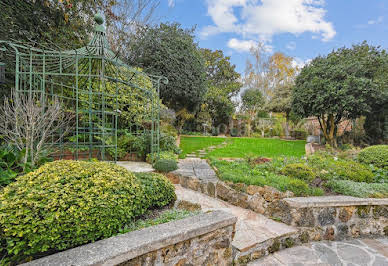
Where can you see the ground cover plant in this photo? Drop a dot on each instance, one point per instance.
(64, 204)
(242, 172)
(321, 173)
(192, 144)
(154, 218)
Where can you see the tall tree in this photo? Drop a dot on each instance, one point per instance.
(283, 74)
(223, 84)
(338, 86)
(257, 70)
(170, 50)
(252, 102)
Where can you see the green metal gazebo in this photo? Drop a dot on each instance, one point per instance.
(88, 81)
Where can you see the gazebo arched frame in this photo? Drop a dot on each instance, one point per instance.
(88, 81)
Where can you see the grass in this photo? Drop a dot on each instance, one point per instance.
(152, 219)
(243, 147)
(192, 144)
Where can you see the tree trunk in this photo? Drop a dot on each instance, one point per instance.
(286, 129)
(329, 129)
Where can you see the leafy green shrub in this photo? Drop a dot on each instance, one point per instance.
(158, 190)
(358, 189)
(376, 155)
(67, 203)
(168, 143)
(125, 144)
(350, 170)
(234, 132)
(163, 155)
(12, 164)
(165, 165)
(242, 172)
(300, 171)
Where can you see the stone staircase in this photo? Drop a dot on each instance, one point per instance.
(256, 235)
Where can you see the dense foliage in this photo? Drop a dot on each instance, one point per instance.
(12, 164)
(170, 51)
(243, 172)
(341, 85)
(223, 84)
(327, 171)
(68, 203)
(376, 155)
(165, 165)
(299, 170)
(157, 189)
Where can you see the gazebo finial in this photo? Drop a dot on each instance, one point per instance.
(98, 18)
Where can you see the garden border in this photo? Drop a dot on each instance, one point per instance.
(209, 233)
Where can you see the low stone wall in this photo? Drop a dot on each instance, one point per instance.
(203, 239)
(335, 217)
(250, 197)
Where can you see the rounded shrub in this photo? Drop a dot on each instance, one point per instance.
(299, 187)
(300, 171)
(350, 170)
(67, 203)
(165, 165)
(158, 190)
(376, 155)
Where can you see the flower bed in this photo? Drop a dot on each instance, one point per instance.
(319, 174)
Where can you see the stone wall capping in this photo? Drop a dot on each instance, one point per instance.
(122, 248)
(333, 201)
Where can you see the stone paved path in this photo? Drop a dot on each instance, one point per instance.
(373, 252)
(136, 166)
(251, 228)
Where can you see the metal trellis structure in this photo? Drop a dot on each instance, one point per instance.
(89, 81)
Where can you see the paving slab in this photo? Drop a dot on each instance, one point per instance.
(332, 201)
(351, 252)
(137, 167)
(251, 228)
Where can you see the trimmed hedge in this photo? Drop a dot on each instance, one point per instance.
(376, 155)
(64, 204)
(300, 171)
(158, 190)
(165, 165)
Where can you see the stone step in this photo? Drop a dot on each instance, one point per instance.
(256, 235)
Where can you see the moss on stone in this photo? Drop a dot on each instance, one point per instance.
(274, 247)
(363, 211)
(243, 260)
(288, 242)
(304, 237)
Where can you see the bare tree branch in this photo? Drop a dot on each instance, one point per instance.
(33, 123)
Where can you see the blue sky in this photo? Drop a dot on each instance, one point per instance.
(302, 29)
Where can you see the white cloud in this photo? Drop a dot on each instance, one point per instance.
(297, 62)
(291, 46)
(171, 3)
(246, 45)
(376, 21)
(240, 45)
(261, 20)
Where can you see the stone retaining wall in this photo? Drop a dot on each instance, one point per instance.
(250, 197)
(336, 217)
(203, 239)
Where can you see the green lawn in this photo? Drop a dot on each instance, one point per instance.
(192, 144)
(243, 147)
